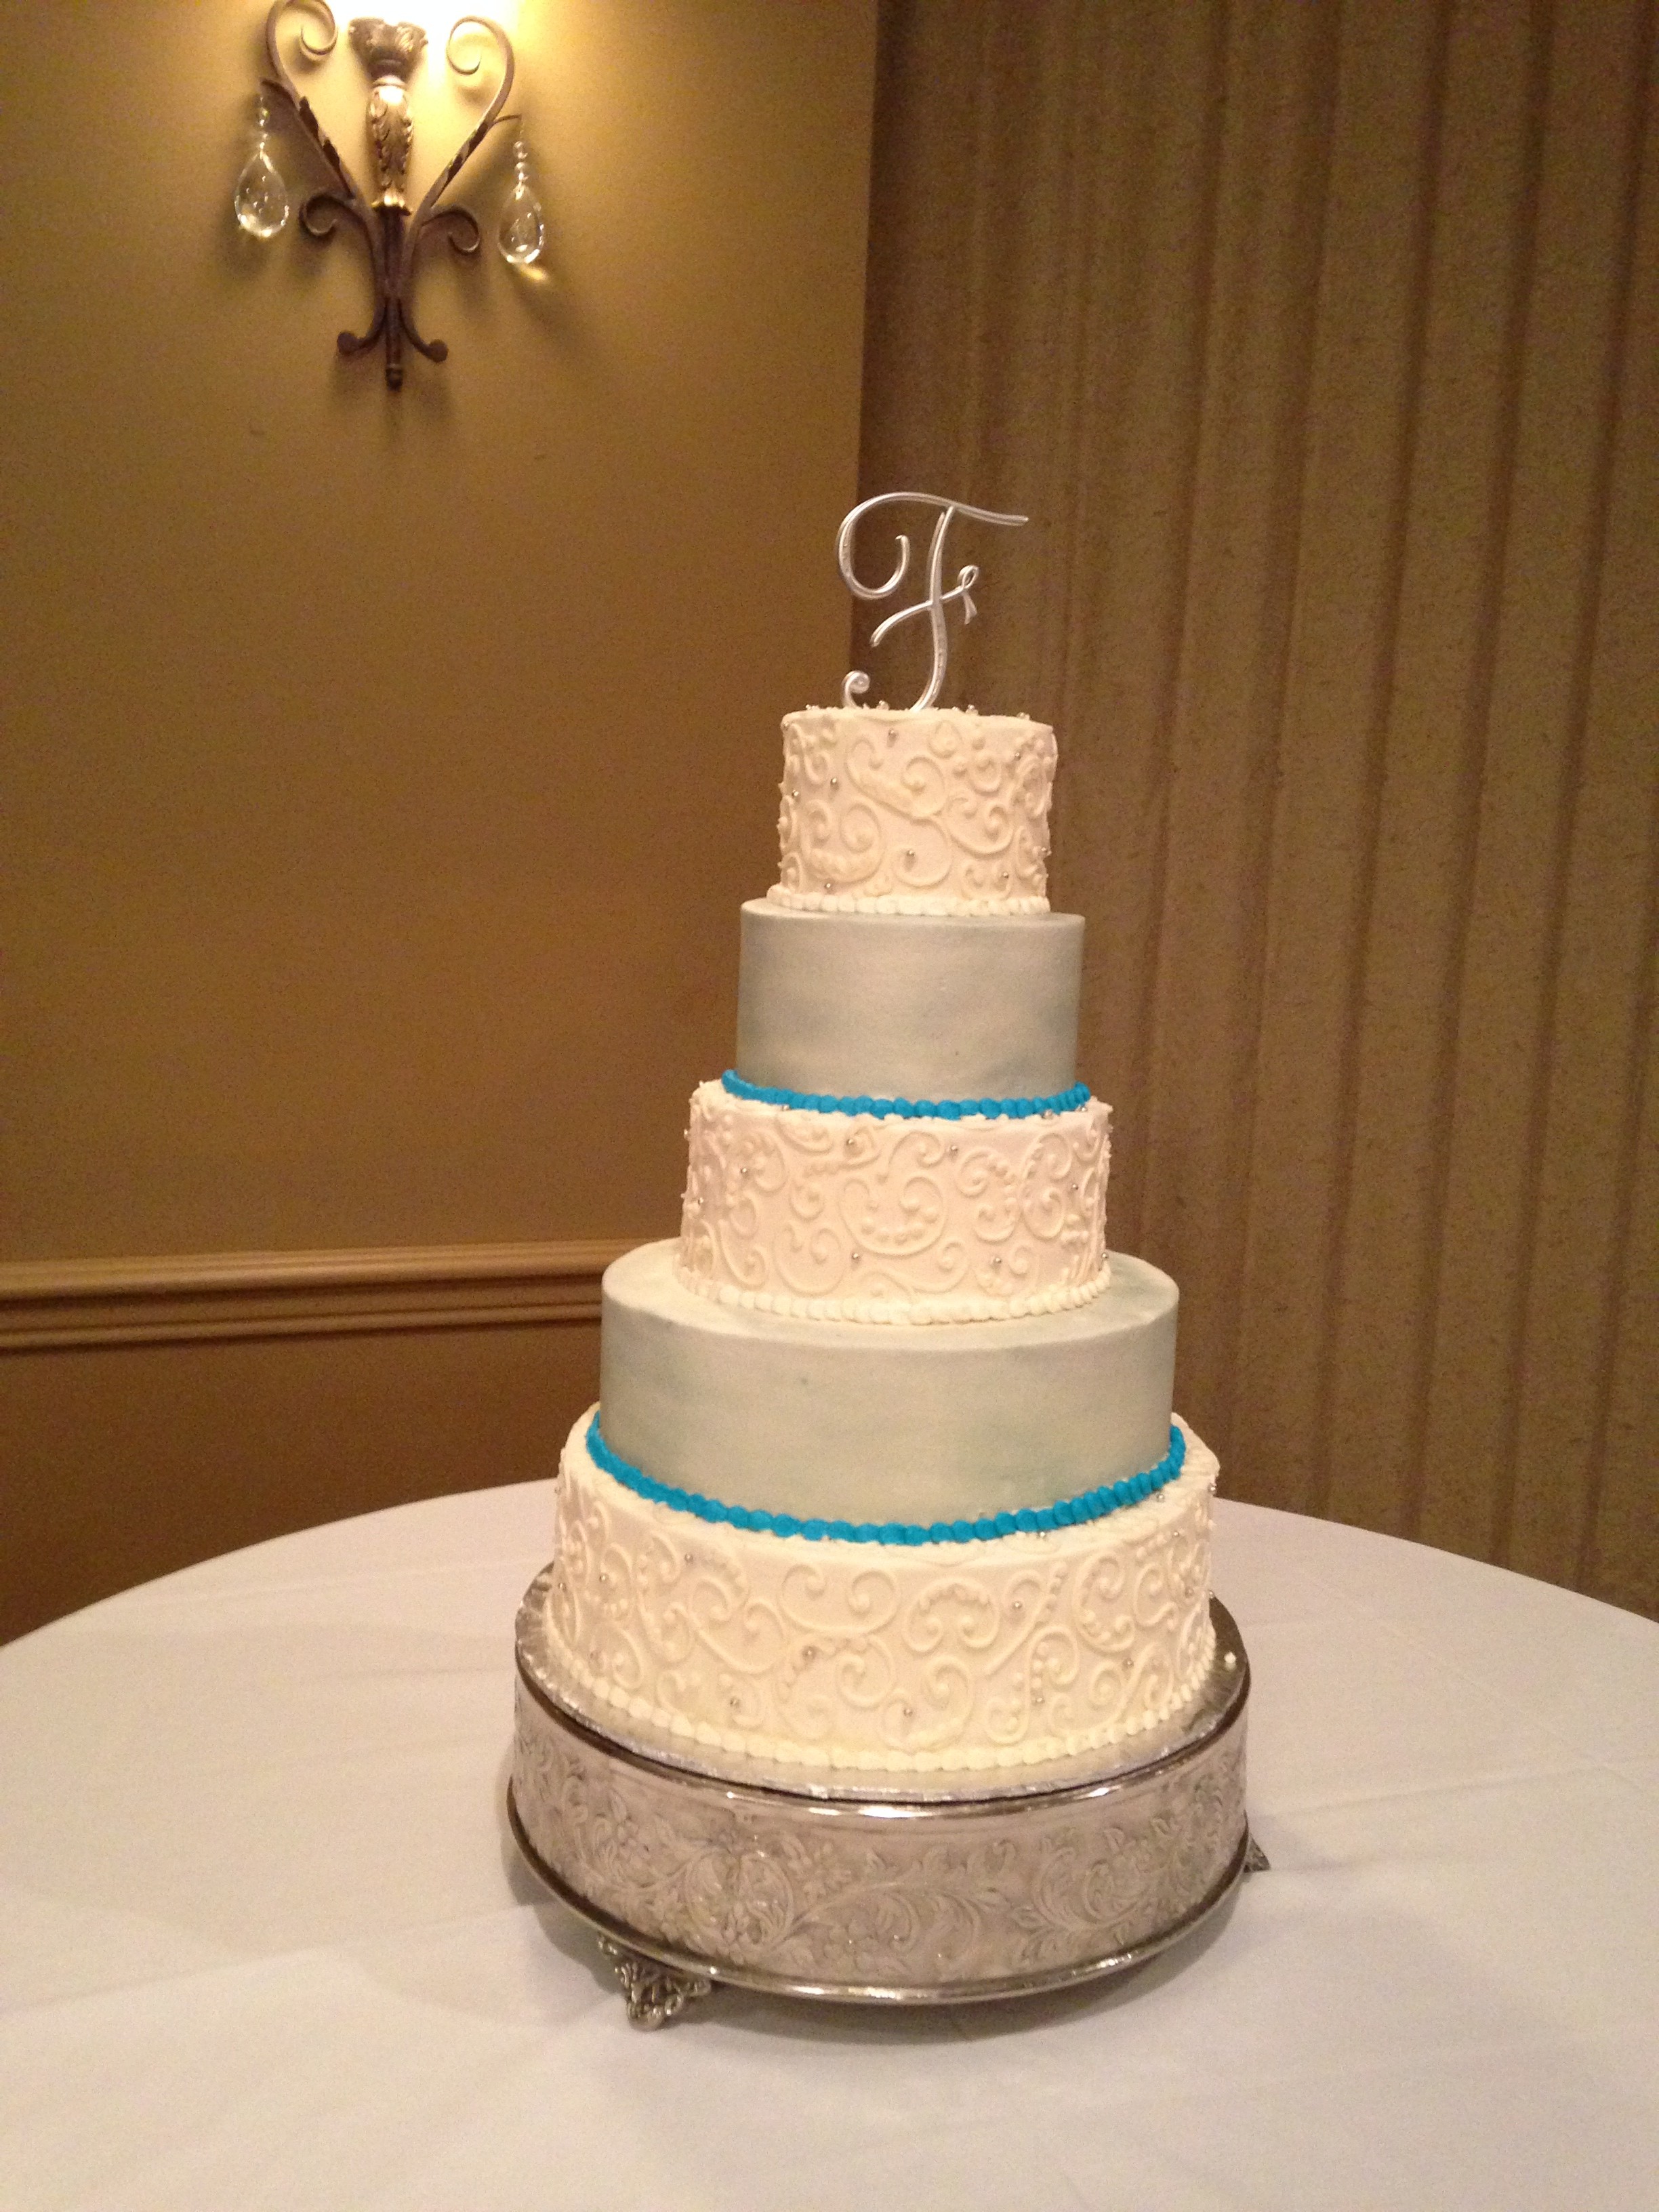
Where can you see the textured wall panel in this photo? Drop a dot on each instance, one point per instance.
(1320, 345)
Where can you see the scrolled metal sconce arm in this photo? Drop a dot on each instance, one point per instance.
(392, 235)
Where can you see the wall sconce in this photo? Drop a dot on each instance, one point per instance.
(392, 235)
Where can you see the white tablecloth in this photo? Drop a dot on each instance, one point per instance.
(264, 1941)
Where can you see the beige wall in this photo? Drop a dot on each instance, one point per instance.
(1322, 344)
(383, 773)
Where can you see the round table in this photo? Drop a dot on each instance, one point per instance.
(265, 1941)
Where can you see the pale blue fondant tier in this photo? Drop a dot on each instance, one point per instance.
(882, 1423)
(908, 1006)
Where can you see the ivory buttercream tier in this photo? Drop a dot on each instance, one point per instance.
(898, 1653)
(914, 1005)
(940, 811)
(895, 1211)
(872, 1423)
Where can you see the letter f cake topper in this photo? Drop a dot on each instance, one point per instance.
(938, 598)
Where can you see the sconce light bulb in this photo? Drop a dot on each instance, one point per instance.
(261, 197)
(521, 230)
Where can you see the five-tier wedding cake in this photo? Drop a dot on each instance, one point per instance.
(883, 1481)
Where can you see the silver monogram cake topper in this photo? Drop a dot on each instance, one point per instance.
(938, 598)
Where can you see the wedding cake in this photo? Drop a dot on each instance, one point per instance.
(884, 1479)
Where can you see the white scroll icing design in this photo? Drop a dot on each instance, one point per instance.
(856, 1217)
(941, 812)
(857, 682)
(840, 1655)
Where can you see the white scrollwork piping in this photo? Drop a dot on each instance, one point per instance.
(851, 1217)
(927, 1658)
(857, 683)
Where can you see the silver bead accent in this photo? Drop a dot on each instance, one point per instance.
(834, 783)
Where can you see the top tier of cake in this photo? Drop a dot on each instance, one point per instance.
(943, 812)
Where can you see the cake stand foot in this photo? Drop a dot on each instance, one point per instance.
(1255, 1859)
(653, 1993)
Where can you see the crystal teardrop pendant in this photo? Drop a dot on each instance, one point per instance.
(521, 229)
(261, 197)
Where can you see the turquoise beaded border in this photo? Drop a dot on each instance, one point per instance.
(1091, 1505)
(910, 1110)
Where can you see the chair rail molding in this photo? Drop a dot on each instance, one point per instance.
(80, 1304)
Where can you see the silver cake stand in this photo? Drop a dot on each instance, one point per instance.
(993, 1886)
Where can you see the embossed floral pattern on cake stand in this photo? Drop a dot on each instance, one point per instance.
(920, 1900)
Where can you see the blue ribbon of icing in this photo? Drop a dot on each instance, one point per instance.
(909, 1109)
(1091, 1505)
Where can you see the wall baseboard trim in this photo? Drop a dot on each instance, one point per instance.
(80, 1304)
